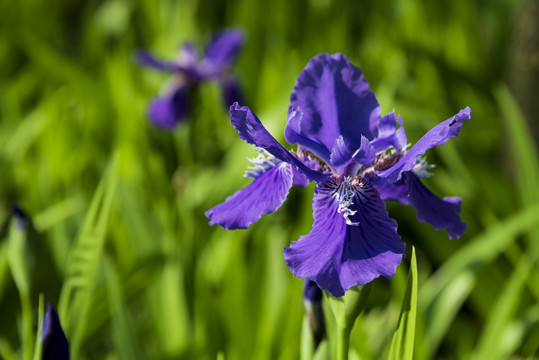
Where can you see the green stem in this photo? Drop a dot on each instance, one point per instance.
(343, 341)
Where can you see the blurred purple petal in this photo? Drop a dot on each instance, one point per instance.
(441, 214)
(338, 256)
(263, 196)
(188, 55)
(224, 47)
(251, 130)
(331, 98)
(54, 342)
(145, 58)
(169, 109)
(438, 135)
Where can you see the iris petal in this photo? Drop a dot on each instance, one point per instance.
(388, 134)
(263, 196)
(251, 130)
(396, 192)
(440, 213)
(438, 135)
(331, 98)
(338, 256)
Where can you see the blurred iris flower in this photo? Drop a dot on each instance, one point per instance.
(53, 339)
(170, 108)
(358, 159)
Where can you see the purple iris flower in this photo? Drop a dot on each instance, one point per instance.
(55, 345)
(170, 108)
(358, 159)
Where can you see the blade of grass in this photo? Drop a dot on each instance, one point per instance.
(402, 345)
(480, 250)
(122, 331)
(491, 343)
(21, 276)
(40, 312)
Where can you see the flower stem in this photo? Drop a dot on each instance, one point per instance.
(343, 341)
(346, 310)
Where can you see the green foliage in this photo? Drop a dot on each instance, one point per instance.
(118, 238)
(402, 345)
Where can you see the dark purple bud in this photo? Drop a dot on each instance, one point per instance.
(312, 300)
(53, 339)
(20, 216)
(231, 91)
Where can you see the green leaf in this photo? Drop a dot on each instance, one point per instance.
(41, 312)
(84, 260)
(19, 265)
(493, 342)
(402, 346)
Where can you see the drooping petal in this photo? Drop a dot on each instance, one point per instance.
(331, 98)
(231, 91)
(338, 256)
(395, 192)
(53, 339)
(145, 58)
(388, 134)
(169, 109)
(438, 135)
(263, 196)
(251, 130)
(224, 48)
(440, 213)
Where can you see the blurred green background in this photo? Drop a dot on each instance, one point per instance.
(119, 241)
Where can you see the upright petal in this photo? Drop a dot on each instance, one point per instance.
(53, 339)
(342, 155)
(169, 109)
(224, 48)
(145, 58)
(331, 98)
(263, 196)
(366, 154)
(251, 130)
(438, 135)
(388, 134)
(338, 256)
(440, 213)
